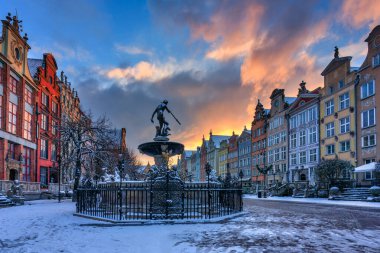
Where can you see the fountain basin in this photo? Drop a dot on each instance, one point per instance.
(157, 148)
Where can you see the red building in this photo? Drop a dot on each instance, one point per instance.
(49, 112)
(259, 137)
(17, 99)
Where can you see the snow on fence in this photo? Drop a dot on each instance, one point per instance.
(143, 201)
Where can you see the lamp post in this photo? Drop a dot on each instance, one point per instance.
(208, 171)
(241, 175)
(59, 178)
(121, 171)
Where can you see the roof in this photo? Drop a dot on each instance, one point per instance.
(290, 100)
(354, 69)
(336, 62)
(217, 139)
(188, 153)
(33, 65)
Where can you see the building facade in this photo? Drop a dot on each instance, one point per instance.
(337, 112)
(244, 153)
(203, 151)
(303, 127)
(367, 99)
(213, 149)
(277, 148)
(259, 141)
(195, 165)
(18, 94)
(232, 158)
(223, 158)
(49, 117)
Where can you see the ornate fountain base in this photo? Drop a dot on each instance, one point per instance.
(167, 187)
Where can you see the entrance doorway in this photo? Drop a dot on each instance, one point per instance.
(13, 174)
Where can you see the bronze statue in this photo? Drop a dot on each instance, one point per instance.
(336, 52)
(163, 129)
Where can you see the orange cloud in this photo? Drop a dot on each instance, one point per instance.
(361, 12)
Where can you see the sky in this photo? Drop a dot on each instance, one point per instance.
(211, 60)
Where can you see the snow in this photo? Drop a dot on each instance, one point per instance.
(366, 167)
(319, 201)
(48, 226)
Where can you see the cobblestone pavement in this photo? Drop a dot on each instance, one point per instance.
(278, 226)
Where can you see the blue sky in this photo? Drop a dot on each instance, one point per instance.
(211, 59)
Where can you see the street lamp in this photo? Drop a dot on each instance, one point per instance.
(208, 172)
(59, 178)
(241, 175)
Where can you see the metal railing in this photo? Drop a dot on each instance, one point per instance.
(144, 201)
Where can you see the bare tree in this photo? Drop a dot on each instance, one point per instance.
(87, 139)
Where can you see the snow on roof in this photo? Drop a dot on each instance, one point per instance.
(217, 139)
(354, 69)
(290, 100)
(188, 153)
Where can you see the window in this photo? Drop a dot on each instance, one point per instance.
(283, 153)
(344, 146)
(302, 138)
(293, 140)
(1, 111)
(43, 175)
(344, 101)
(368, 118)
(12, 118)
(367, 161)
(27, 126)
(312, 114)
(331, 89)
(44, 149)
(376, 60)
(44, 122)
(303, 157)
(369, 141)
(276, 154)
(27, 164)
(313, 135)
(341, 84)
(329, 107)
(11, 150)
(45, 99)
(283, 136)
(2, 73)
(330, 149)
(293, 159)
(368, 175)
(13, 82)
(54, 107)
(330, 129)
(367, 89)
(28, 95)
(293, 122)
(344, 125)
(270, 156)
(313, 155)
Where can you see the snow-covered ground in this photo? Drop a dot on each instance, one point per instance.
(47, 226)
(319, 201)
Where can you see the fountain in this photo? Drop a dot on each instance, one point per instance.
(167, 187)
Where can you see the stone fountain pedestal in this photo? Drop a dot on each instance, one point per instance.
(167, 189)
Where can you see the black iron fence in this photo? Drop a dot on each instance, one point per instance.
(153, 200)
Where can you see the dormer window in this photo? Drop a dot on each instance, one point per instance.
(341, 84)
(376, 60)
(17, 54)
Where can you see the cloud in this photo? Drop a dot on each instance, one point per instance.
(62, 52)
(273, 39)
(150, 71)
(132, 50)
(359, 13)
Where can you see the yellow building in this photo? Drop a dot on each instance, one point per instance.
(337, 111)
(222, 157)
